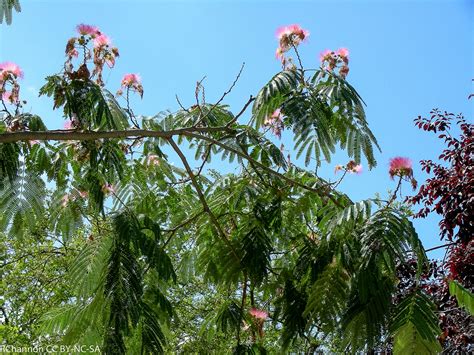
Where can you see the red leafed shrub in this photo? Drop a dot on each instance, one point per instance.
(450, 192)
(461, 264)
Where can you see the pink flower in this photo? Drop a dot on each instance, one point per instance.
(276, 114)
(153, 159)
(133, 82)
(64, 200)
(87, 30)
(343, 52)
(343, 71)
(11, 68)
(338, 168)
(400, 166)
(279, 53)
(110, 61)
(33, 142)
(102, 41)
(259, 314)
(9, 97)
(130, 79)
(68, 124)
(357, 169)
(325, 55)
(108, 189)
(289, 36)
(292, 30)
(73, 53)
(274, 121)
(83, 194)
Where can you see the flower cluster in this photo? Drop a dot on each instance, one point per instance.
(351, 167)
(131, 82)
(9, 87)
(73, 197)
(400, 166)
(289, 37)
(102, 53)
(275, 123)
(108, 189)
(332, 60)
(258, 314)
(152, 160)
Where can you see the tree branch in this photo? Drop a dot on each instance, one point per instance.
(192, 132)
(201, 196)
(441, 246)
(70, 135)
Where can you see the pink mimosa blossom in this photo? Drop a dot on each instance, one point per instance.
(87, 30)
(153, 159)
(338, 168)
(110, 61)
(102, 41)
(289, 36)
(64, 200)
(343, 52)
(275, 122)
(33, 142)
(325, 55)
(130, 79)
(8, 96)
(259, 314)
(291, 30)
(276, 114)
(132, 82)
(400, 166)
(73, 53)
(357, 169)
(10, 68)
(279, 53)
(68, 124)
(108, 189)
(343, 71)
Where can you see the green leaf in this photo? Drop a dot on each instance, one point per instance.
(464, 297)
(274, 94)
(415, 326)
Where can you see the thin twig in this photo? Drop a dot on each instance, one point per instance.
(441, 246)
(201, 196)
(181, 225)
(223, 96)
(181, 105)
(250, 100)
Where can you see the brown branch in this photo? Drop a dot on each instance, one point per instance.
(441, 246)
(71, 135)
(222, 97)
(173, 230)
(181, 105)
(192, 132)
(201, 196)
(251, 99)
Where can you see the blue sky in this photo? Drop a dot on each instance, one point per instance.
(407, 57)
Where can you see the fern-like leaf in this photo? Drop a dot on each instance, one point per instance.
(464, 297)
(415, 326)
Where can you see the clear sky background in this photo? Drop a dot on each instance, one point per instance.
(407, 57)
